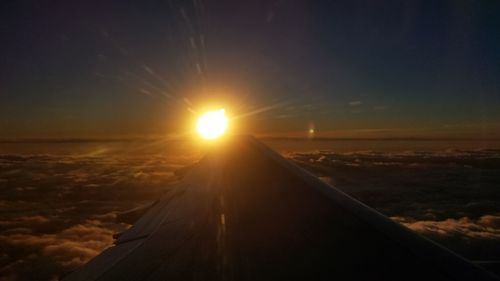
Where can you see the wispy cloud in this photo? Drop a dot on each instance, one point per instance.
(485, 227)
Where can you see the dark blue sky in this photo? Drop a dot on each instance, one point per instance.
(351, 68)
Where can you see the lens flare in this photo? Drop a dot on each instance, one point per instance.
(212, 124)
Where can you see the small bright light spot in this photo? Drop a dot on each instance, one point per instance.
(212, 124)
(311, 131)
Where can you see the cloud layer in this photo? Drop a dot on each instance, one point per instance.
(58, 211)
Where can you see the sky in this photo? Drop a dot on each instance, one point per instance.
(83, 69)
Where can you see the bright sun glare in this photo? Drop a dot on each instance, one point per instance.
(212, 124)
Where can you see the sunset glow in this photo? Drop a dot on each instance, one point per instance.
(182, 140)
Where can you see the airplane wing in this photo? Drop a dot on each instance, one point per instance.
(246, 213)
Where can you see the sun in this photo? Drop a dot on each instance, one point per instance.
(212, 124)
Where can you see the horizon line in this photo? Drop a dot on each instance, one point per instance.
(269, 138)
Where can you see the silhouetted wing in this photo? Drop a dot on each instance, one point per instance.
(246, 213)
